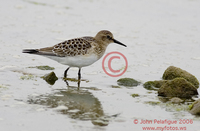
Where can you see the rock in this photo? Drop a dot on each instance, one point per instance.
(174, 72)
(50, 78)
(178, 87)
(176, 100)
(153, 85)
(100, 122)
(127, 82)
(195, 108)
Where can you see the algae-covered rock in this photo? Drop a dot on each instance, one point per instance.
(195, 108)
(178, 87)
(50, 78)
(174, 72)
(153, 85)
(127, 82)
(43, 67)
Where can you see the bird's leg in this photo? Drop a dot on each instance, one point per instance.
(79, 84)
(79, 77)
(65, 73)
(79, 74)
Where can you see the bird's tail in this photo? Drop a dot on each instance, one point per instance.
(30, 51)
(39, 52)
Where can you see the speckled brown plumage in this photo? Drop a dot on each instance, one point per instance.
(72, 47)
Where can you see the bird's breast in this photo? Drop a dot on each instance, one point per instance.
(76, 61)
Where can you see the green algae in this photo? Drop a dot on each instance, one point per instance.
(175, 107)
(195, 107)
(43, 67)
(153, 103)
(3, 86)
(27, 77)
(169, 106)
(135, 95)
(115, 86)
(190, 106)
(75, 80)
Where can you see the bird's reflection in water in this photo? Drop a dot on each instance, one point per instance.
(73, 80)
(77, 104)
(75, 101)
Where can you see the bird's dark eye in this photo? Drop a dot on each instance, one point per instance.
(109, 37)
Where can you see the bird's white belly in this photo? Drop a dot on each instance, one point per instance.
(76, 61)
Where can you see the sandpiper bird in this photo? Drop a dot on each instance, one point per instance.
(78, 52)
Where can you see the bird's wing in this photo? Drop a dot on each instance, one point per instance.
(72, 47)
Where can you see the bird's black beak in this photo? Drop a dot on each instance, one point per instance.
(115, 41)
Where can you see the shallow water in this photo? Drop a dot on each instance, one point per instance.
(158, 34)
